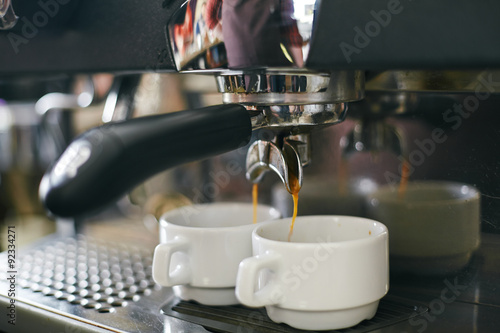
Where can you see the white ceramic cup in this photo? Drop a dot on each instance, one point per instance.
(201, 247)
(330, 276)
(434, 226)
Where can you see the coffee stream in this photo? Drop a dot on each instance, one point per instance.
(294, 186)
(255, 196)
(405, 175)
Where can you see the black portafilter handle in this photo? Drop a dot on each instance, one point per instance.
(103, 164)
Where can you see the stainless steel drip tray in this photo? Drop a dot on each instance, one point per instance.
(82, 284)
(239, 318)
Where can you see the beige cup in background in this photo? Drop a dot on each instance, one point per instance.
(434, 226)
(331, 274)
(201, 247)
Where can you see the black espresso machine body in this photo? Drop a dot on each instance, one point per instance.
(352, 96)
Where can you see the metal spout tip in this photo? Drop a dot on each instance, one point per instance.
(264, 156)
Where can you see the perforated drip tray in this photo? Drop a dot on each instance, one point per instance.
(238, 318)
(94, 274)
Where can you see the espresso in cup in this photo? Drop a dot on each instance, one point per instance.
(201, 247)
(330, 275)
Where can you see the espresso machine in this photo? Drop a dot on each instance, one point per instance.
(335, 99)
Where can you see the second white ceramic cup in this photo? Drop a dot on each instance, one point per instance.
(201, 247)
(330, 276)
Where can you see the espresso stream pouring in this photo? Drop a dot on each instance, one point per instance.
(104, 163)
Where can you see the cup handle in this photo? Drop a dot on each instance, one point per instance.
(161, 264)
(247, 277)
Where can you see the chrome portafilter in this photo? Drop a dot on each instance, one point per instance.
(290, 103)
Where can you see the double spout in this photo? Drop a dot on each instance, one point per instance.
(286, 162)
(291, 104)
